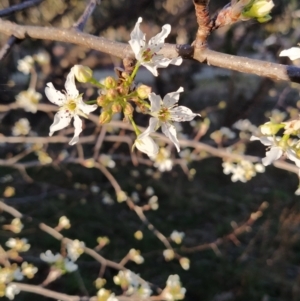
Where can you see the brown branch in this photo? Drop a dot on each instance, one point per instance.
(203, 20)
(245, 227)
(122, 50)
(7, 46)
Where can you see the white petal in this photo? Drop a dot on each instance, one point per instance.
(147, 146)
(85, 108)
(153, 126)
(293, 53)
(70, 85)
(265, 140)
(157, 41)
(182, 113)
(171, 98)
(170, 131)
(54, 96)
(272, 155)
(155, 101)
(61, 120)
(293, 157)
(137, 41)
(78, 129)
(151, 67)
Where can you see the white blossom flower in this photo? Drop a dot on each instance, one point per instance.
(276, 150)
(71, 106)
(20, 245)
(25, 64)
(135, 255)
(11, 290)
(293, 53)
(144, 291)
(163, 161)
(17, 274)
(28, 100)
(146, 145)
(169, 254)
(105, 295)
(185, 263)
(28, 269)
(173, 290)
(146, 54)
(70, 266)
(64, 222)
(75, 248)
(49, 257)
(21, 127)
(177, 236)
(164, 112)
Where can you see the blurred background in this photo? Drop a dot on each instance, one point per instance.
(195, 196)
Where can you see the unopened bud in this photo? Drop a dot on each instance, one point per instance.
(110, 82)
(82, 73)
(116, 108)
(128, 109)
(111, 94)
(105, 117)
(101, 100)
(143, 91)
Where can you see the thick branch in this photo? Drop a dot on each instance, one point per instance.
(122, 50)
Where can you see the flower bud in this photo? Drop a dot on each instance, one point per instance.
(128, 109)
(110, 82)
(101, 100)
(82, 73)
(270, 128)
(143, 91)
(111, 94)
(105, 117)
(116, 108)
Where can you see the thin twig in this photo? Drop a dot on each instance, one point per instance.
(14, 8)
(79, 25)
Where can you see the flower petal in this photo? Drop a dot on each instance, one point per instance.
(70, 84)
(54, 96)
(61, 120)
(78, 129)
(138, 39)
(182, 113)
(147, 145)
(85, 108)
(155, 101)
(272, 155)
(293, 53)
(157, 41)
(170, 131)
(171, 98)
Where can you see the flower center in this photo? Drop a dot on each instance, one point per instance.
(71, 105)
(164, 114)
(147, 55)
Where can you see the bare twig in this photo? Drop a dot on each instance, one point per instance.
(79, 25)
(14, 8)
(7, 46)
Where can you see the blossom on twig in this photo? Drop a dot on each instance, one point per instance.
(164, 112)
(146, 54)
(71, 106)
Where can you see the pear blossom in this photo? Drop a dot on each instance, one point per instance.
(71, 106)
(25, 64)
(21, 127)
(28, 100)
(11, 290)
(146, 54)
(164, 112)
(293, 53)
(276, 150)
(49, 257)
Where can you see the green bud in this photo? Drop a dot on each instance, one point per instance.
(143, 91)
(110, 82)
(259, 9)
(82, 73)
(105, 117)
(128, 110)
(116, 108)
